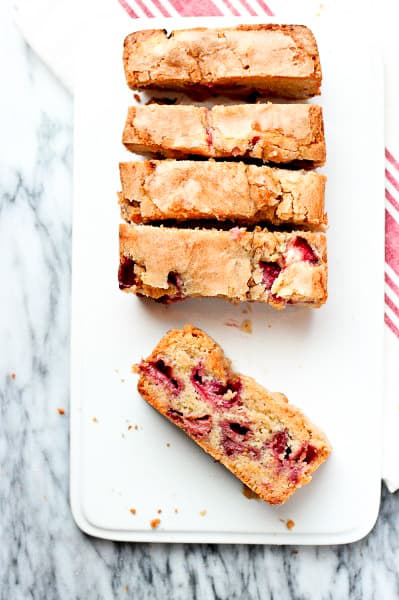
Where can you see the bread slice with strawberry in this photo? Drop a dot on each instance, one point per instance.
(262, 439)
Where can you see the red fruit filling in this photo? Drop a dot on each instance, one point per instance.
(271, 271)
(209, 136)
(126, 275)
(163, 374)
(175, 280)
(306, 453)
(234, 437)
(214, 391)
(279, 444)
(196, 426)
(293, 461)
(299, 250)
(277, 299)
(311, 454)
(295, 473)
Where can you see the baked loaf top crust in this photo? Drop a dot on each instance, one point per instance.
(266, 442)
(170, 264)
(274, 59)
(279, 133)
(182, 190)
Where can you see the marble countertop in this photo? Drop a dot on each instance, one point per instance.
(43, 554)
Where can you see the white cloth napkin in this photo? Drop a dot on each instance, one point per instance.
(50, 26)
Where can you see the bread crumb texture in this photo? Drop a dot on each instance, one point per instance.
(155, 523)
(290, 524)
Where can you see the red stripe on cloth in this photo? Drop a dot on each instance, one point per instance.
(128, 9)
(391, 305)
(266, 9)
(391, 199)
(194, 8)
(162, 8)
(231, 8)
(391, 159)
(249, 8)
(144, 8)
(392, 180)
(392, 284)
(392, 242)
(391, 325)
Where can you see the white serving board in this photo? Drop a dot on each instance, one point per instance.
(327, 361)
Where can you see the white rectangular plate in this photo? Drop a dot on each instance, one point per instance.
(328, 362)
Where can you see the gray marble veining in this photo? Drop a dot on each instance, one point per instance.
(42, 553)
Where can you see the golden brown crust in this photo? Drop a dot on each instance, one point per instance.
(196, 256)
(169, 264)
(278, 133)
(184, 190)
(266, 414)
(276, 60)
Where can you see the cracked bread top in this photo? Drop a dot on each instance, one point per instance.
(278, 133)
(196, 255)
(182, 190)
(274, 59)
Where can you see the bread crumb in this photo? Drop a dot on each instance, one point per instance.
(137, 98)
(129, 427)
(246, 326)
(135, 369)
(95, 420)
(176, 510)
(202, 513)
(290, 524)
(13, 375)
(61, 411)
(159, 511)
(248, 493)
(133, 511)
(167, 445)
(136, 427)
(269, 326)
(122, 381)
(116, 370)
(155, 523)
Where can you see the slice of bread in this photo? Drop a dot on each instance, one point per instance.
(278, 268)
(185, 190)
(266, 442)
(274, 60)
(277, 133)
